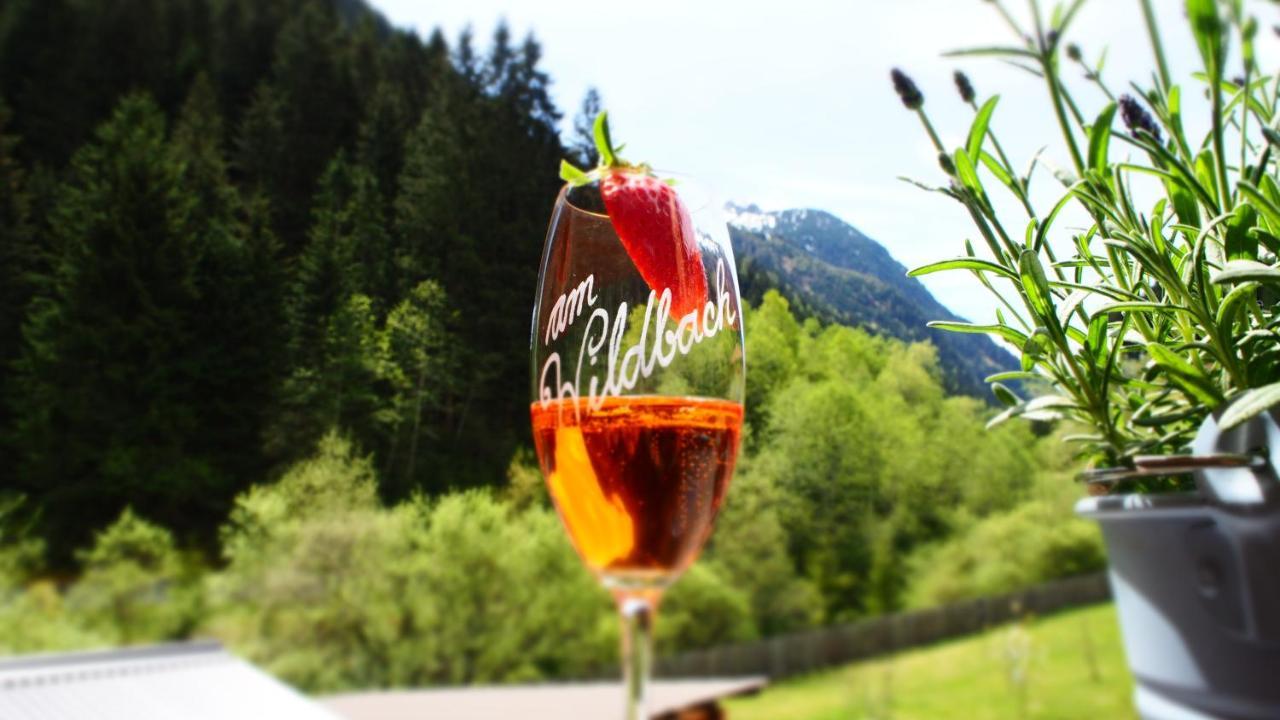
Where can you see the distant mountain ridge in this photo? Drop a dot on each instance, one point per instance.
(830, 270)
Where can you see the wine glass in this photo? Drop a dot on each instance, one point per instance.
(636, 410)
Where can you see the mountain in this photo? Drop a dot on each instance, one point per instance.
(830, 270)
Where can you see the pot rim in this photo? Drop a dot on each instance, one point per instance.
(1130, 503)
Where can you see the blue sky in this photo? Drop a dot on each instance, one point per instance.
(788, 104)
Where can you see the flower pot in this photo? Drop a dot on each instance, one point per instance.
(1196, 581)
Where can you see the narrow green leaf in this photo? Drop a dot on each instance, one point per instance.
(978, 130)
(1267, 240)
(1234, 301)
(1045, 407)
(1096, 344)
(1184, 205)
(1250, 404)
(991, 52)
(1185, 375)
(1043, 230)
(1064, 21)
(1129, 306)
(1143, 169)
(1002, 417)
(1108, 291)
(1270, 209)
(968, 263)
(1100, 139)
(968, 174)
(1271, 189)
(1029, 69)
(1173, 106)
(1237, 271)
(1037, 347)
(1006, 396)
(1075, 334)
(1035, 285)
(1188, 176)
(1240, 244)
(1011, 375)
(1069, 306)
(1206, 26)
(993, 165)
(1205, 173)
(1007, 333)
(1165, 419)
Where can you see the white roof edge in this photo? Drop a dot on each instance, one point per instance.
(112, 655)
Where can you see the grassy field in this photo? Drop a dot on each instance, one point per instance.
(1067, 666)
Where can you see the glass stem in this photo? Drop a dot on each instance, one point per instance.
(637, 613)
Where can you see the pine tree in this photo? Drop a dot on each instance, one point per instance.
(319, 107)
(324, 277)
(260, 150)
(241, 282)
(198, 137)
(20, 261)
(438, 202)
(471, 213)
(40, 77)
(420, 369)
(183, 310)
(496, 74)
(110, 383)
(438, 195)
(383, 131)
(19, 254)
(465, 59)
(347, 252)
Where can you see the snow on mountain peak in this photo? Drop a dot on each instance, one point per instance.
(750, 217)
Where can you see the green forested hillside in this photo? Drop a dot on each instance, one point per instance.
(230, 225)
(265, 272)
(863, 488)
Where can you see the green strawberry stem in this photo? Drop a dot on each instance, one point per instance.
(609, 158)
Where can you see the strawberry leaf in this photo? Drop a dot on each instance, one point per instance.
(573, 175)
(604, 144)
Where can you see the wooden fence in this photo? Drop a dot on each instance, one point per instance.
(786, 655)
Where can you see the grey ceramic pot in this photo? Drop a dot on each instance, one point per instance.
(1196, 580)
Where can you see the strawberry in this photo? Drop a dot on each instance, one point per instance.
(651, 221)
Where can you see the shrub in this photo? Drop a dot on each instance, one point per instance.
(702, 610)
(329, 590)
(35, 619)
(1033, 543)
(135, 587)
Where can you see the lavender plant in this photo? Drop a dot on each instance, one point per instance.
(1148, 318)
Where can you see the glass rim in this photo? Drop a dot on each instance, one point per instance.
(703, 198)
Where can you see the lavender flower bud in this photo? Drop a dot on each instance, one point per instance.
(1137, 118)
(1052, 38)
(906, 88)
(964, 87)
(948, 167)
(1073, 52)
